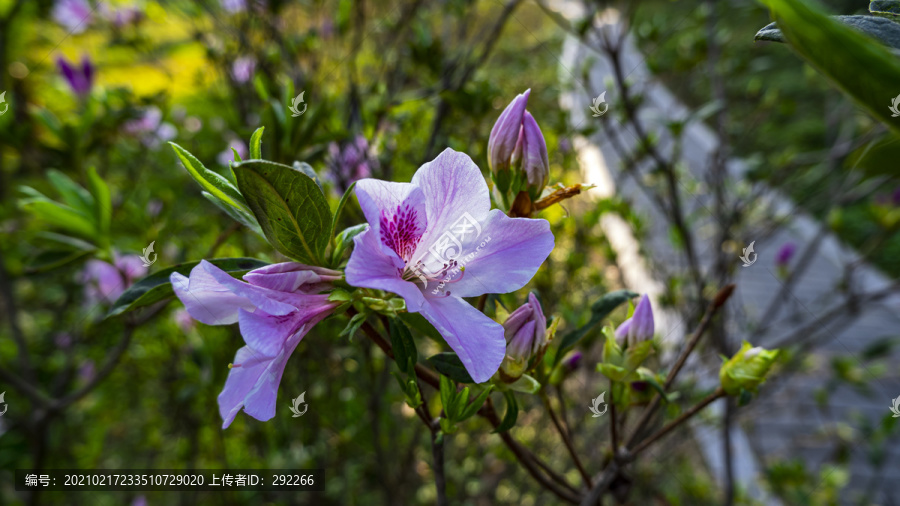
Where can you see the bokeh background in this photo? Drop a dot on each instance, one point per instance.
(104, 85)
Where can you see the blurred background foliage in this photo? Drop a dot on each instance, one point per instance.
(409, 79)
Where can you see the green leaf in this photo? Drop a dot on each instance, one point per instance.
(49, 260)
(889, 9)
(308, 170)
(156, 287)
(344, 240)
(476, 404)
(612, 372)
(842, 54)
(102, 200)
(449, 364)
(458, 404)
(879, 28)
(418, 323)
(404, 347)
(73, 194)
(255, 144)
(236, 214)
(340, 207)
(448, 391)
(61, 216)
(512, 413)
(290, 208)
(212, 182)
(353, 325)
(526, 384)
(237, 156)
(636, 354)
(647, 375)
(599, 310)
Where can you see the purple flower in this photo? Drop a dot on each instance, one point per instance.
(63, 340)
(275, 306)
(895, 196)
(225, 157)
(525, 330)
(234, 6)
(150, 128)
(80, 79)
(572, 362)
(74, 15)
(86, 371)
(183, 319)
(105, 282)
(639, 327)
(516, 142)
(440, 230)
(242, 68)
(785, 254)
(350, 163)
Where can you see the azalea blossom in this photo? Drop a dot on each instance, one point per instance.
(79, 78)
(242, 68)
(350, 163)
(435, 240)
(105, 282)
(150, 128)
(74, 15)
(275, 306)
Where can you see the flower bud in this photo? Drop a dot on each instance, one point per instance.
(572, 362)
(526, 333)
(785, 253)
(639, 327)
(747, 369)
(530, 157)
(517, 152)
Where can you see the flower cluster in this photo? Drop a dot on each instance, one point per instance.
(431, 242)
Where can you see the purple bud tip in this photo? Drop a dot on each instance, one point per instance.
(785, 253)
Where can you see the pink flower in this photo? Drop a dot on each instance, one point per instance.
(436, 232)
(105, 282)
(242, 68)
(275, 306)
(74, 15)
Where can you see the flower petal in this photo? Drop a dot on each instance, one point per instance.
(453, 186)
(267, 333)
(504, 257)
(206, 299)
(370, 267)
(290, 276)
(397, 214)
(477, 339)
(270, 301)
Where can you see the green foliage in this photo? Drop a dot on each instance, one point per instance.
(289, 207)
(449, 364)
(843, 54)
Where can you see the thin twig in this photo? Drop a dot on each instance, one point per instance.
(524, 456)
(565, 437)
(717, 394)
